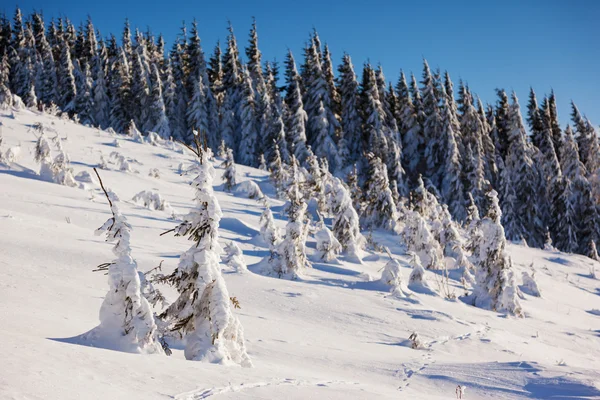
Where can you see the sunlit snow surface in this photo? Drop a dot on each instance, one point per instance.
(335, 334)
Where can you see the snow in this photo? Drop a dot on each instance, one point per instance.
(331, 334)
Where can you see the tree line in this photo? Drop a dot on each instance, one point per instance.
(366, 130)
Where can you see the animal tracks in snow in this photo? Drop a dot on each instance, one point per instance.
(206, 393)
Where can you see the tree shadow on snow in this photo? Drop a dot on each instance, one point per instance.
(20, 171)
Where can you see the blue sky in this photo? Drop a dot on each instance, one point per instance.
(510, 44)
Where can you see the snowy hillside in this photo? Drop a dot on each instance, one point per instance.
(335, 333)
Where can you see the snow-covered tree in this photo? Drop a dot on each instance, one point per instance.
(5, 94)
(350, 116)
(203, 311)
(234, 257)
(289, 260)
(249, 138)
(419, 239)
(296, 117)
(379, 208)
(328, 247)
(495, 287)
(345, 224)
(412, 133)
(268, 231)
(126, 318)
(229, 175)
(392, 276)
(523, 217)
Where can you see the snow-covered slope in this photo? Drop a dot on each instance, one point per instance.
(335, 334)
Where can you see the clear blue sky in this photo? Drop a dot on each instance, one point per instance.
(510, 44)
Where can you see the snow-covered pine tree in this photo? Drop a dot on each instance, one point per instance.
(431, 128)
(83, 95)
(158, 113)
(5, 94)
(268, 231)
(254, 61)
(534, 119)
(323, 126)
(296, 117)
(495, 287)
(454, 246)
(175, 92)
(345, 223)
(290, 255)
(350, 116)
(100, 99)
(118, 89)
(375, 133)
(563, 223)
(503, 124)
(232, 79)
(229, 175)
(247, 107)
(43, 157)
(65, 78)
(202, 312)
(472, 130)
(328, 247)
(262, 163)
(587, 141)
(412, 133)
(451, 186)
(522, 175)
(279, 174)
(126, 318)
(314, 187)
(379, 208)
(419, 239)
(140, 86)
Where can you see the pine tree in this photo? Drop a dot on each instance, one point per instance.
(119, 93)
(522, 174)
(158, 113)
(431, 127)
(451, 186)
(290, 260)
(125, 314)
(296, 118)
(355, 189)
(420, 240)
(202, 312)
(587, 141)
(556, 131)
(268, 231)
(534, 119)
(232, 79)
(140, 86)
(322, 122)
(278, 172)
(100, 99)
(563, 224)
(5, 94)
(471, 128)
(350, 116)
(345, 224)
(374, 116)
(412, 132)
(502, 122)
(495, 286)
(254, 61)
(229, 175)
(175, 92)
(83, 96)
(249, 138)
(380, 209)
(66, 80)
